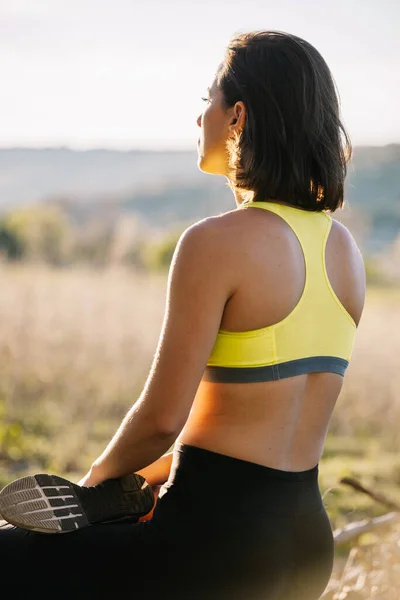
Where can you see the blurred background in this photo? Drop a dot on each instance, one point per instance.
(99, 177)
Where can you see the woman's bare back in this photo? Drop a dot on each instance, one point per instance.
(281, 424)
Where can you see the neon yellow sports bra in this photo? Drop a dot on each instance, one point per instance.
(318, 335)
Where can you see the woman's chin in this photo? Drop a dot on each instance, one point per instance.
(207, 166)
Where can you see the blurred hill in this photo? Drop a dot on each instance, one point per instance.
(165, 188)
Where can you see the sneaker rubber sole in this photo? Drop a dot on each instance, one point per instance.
(52, 504)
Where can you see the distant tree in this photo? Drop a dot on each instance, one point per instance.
(36, 232)
(10, 245)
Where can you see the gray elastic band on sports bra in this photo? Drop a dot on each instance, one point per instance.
(291, 368)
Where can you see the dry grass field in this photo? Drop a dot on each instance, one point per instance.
(75, 349)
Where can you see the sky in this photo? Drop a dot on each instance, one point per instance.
(130, 74)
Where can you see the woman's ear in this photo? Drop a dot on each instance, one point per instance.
(237, 119)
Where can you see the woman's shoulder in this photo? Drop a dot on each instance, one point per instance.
(224, 228)
(229, 243)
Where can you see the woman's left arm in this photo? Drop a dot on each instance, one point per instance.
(200, 282)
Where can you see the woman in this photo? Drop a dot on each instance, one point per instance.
(263, 303)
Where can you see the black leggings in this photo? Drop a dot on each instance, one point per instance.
(223, 528)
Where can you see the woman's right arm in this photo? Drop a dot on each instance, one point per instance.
(158, 472)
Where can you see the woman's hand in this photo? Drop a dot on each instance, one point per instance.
(155, 474)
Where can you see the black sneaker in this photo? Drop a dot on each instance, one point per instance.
(51, 504)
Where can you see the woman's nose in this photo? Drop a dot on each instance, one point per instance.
(199, 120)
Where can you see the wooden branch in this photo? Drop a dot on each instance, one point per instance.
(374, 495)
(354, 530)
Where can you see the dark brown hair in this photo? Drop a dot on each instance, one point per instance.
(291, 148)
